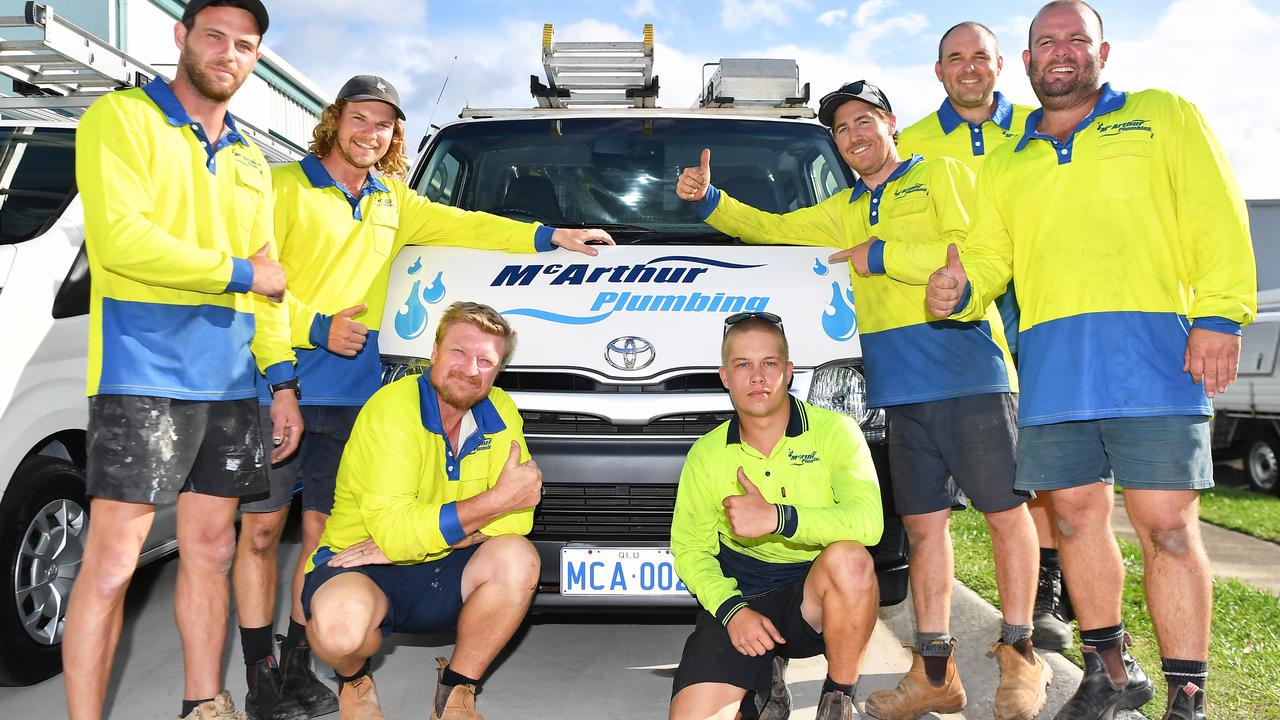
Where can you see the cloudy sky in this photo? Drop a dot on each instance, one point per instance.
(1219, 54)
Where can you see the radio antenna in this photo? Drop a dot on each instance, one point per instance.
(443, 85)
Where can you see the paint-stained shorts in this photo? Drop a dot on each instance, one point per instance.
(148, 449)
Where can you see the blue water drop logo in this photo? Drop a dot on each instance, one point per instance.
(838, 319)
(411, 318)
(415, 267)
(820, 268)
(435, 291)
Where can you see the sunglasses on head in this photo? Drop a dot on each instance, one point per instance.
(736, 318)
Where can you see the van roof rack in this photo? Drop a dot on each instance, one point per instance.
(59, 74)
(587, 74)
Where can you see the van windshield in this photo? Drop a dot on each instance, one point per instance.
(620, 173)
(37, 179)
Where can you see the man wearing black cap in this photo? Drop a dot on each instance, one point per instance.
(341, 217)
(946, 387)
(177, 207)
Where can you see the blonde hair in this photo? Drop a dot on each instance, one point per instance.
(325, 136)
(483, 317)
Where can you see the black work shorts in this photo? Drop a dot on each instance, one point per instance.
(943, 451)
(148, 449)
(709, 657)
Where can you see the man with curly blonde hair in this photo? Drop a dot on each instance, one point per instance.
(341, 216)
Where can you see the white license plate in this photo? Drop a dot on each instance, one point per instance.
(619, 571)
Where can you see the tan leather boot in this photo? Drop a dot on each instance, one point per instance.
(456, 702)
(1021, 695)
(358, 700)
(219, 708)
(915, 695)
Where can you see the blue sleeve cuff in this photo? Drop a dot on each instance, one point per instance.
(542, 238)
(280, 372)
(708, 203)
(965, 297)
(729, 608)
(450, 526)
(319, 333)
(788, 520)
(241, 276)
(875, 257)
(1218, 325)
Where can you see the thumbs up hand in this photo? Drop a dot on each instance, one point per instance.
(749, 514)
(346, 334)
(947, 285)
(520, 483)
(694, 181)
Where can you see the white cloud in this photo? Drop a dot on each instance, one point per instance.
(744, 14)
(642, 9)
(872, 24)
(831, 18)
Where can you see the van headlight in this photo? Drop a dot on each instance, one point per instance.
(838, 386)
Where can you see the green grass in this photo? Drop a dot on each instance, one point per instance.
(1244, 649)
(1245, 511)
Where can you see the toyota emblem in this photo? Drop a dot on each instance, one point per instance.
(629, 353)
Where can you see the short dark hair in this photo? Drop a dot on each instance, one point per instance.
(974, 24)
(1060, 3)
(748, 325)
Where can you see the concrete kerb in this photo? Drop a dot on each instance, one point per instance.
(975, 624)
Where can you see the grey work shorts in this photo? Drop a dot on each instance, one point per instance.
(326, 429)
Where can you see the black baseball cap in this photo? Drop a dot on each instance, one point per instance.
(371, 87)
(856, 90)
(254, 7)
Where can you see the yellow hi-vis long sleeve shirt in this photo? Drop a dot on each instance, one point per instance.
(1118, 240)
(170, 218)
(337, 249)
(920, 209)
(400, 481)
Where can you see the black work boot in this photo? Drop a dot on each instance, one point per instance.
(778, 706)
(1052, 627)
(1098, 698)
(265, 701)
(1187, 703)
(300, 683)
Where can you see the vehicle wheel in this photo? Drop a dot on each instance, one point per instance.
(44, 522)
(1262, 463)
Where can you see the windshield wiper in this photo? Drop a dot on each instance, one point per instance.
(607, 227)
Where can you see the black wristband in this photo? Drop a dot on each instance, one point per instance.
(290, 384)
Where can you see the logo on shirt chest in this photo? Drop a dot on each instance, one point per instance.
(485, 444)
(383, 200)
(917, 188)
(802, 458)
(1114, 129)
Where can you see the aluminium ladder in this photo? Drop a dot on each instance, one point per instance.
(596, 74)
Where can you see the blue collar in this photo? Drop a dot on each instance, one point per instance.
(162, 95)
(949, 119)
(485, 415)
(860, 187)
(319, 177)
(1108, 101)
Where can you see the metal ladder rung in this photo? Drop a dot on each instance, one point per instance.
(583, 69)
(628, 46)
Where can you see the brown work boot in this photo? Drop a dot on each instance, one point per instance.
(915, 695)
(453, 702)
(219, 708)
(1021, 694)
(358, 700)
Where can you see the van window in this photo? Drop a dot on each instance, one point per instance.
(37, 179)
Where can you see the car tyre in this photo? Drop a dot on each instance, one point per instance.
(1262, 463)
(44, 523)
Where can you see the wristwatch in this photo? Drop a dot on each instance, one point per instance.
(290, 384)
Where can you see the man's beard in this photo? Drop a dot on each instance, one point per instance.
(203, 82)
(1065, 93)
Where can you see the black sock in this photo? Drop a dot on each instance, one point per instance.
(832, 686)
(1103, 638)
(1181, 672)
(1049, 559)
(189, 705)
(297, 636)
(450, 678)
(256, 643)
(364, 670)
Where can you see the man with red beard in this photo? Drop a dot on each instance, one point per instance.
(435, 492)
(1120, 222)
(178, 229)
(342, 214)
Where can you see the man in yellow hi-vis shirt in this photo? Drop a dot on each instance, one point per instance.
(341, 216)
(435, 493)
(178, 228)
(947, 388)
(1121, 224)
(972, 121)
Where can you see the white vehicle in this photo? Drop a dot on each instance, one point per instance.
(44, 294)
(616, 369)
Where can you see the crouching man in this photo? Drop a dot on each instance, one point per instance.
(434, 493)
(773, 513)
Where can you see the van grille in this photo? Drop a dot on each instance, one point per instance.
(604, 512)
(520, 381)
(558, 423)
